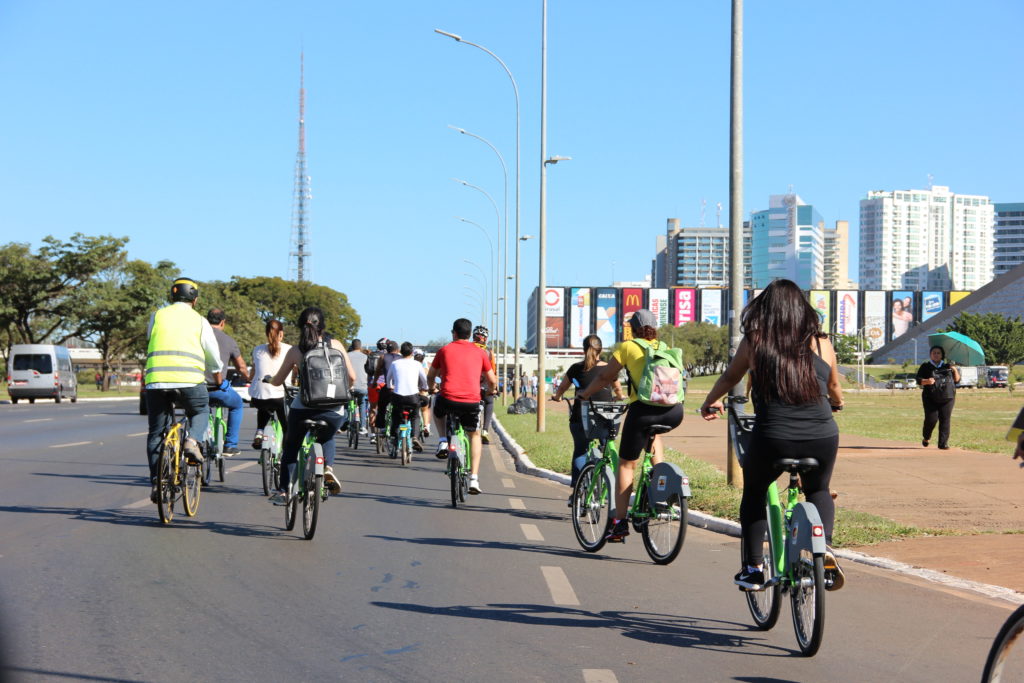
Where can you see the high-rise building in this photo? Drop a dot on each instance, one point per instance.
(788, 241)
(837, 257)
(1009, 236)
(696, 257)
(925, 239)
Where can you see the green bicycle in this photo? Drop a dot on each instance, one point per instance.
(270, 454)
(307, 486)
(794, 546)
(400, 445)
(659, 507)
(214, 447)
(381, 434)
(460, 459)
(353, 422)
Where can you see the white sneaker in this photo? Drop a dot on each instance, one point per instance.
(474, 485)
(442, 450)
(331, 481)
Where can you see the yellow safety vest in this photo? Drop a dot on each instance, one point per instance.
(175, 354)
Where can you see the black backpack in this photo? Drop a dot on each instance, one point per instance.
(371, 364)
(944, 389)
(323, 377)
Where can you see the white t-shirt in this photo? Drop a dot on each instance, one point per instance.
(406, 377)
(263, 365)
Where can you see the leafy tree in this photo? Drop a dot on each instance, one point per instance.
(705, 346)
(847, 347)
(285, 299)
(245, 322)
(42, 294)
(1002, 338)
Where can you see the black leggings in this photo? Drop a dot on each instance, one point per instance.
(937, 412)
(488, 400)
(760, 472)
(264, 407)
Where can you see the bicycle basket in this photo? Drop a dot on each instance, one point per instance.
(599, 416)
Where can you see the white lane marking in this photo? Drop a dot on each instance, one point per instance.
(39, 419)
(138, 504)
(241, 466)
(94, 415)
(531, 532)
(516, 504)
(138, 434)
(508, 483)
(558, 583)
(599, 676)
(68, 445)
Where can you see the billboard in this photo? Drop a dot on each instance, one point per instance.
(632, 301)
(657, 301)
(932, 304)
(579, 315)
(874, 319)
(902, 309)
(846, 311)
(821, 301)
(554, 332)
(686, 305)
(606, 315)
(711, 306)
(957, 296)
(554, 302)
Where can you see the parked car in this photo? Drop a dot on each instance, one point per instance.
(40, 371)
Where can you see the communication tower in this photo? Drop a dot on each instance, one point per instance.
(301, 255)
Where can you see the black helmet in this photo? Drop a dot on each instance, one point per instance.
(480, 331)
(184, 289)
(382, 344)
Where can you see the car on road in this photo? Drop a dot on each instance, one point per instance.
(40, 371)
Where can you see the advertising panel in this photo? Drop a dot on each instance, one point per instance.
(874, 319)
(711, 306)
(957, 296)
(579, 315)
(931, 304)
(686, 305)
(821, 301)
(553, 302)
(632, 301)
(554, 333)
(657, 302)
(902, 312)
(606, 315)
(846, 311)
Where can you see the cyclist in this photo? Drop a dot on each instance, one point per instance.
(794, 379)
(182, 347)
(405, 381)
(266, 360)
(384, 394)
(420, 357)
(373, 383)
(311, 333)
(639, 415)
(357, 359)
(221, 393)
(460, 365)
(480, 334)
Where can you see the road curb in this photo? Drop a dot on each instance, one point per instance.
(726, 526)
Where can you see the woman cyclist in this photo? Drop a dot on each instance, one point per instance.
(311, 333)
(267, 360)
(794, 379)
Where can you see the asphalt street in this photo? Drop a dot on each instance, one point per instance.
(397, 585)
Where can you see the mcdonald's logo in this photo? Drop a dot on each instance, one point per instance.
(632, 300)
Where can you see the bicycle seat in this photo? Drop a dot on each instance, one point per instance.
(658, 429)
(315, 424)
(794, 465)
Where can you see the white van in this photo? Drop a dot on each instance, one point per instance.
(40, 371)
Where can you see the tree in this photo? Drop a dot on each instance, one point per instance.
(245, 322)
(285, 299)
(1000, 337)
(42, 294)
(847, 347)
(705, 346)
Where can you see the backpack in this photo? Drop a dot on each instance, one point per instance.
(944, 388)
(662, 382)
(371, 363)
(323, 377)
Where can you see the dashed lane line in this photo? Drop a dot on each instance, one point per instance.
(516, 504)
(69, 445)
(508, 483)
(137, 504)
(138, 434)
(599, 676)
(241, 466)
(531, 532)
(558, 583)
(39, 419)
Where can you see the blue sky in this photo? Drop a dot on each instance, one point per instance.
(175, 124)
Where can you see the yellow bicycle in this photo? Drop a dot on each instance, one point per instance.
(176, 477)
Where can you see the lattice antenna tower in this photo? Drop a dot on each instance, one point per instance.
(301, 256)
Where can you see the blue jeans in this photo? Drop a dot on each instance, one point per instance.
(296, 432)
(160, 409)
(233, 402)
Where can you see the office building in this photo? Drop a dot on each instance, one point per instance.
(925, 239)
(837, 257)
(788, 241)
(696, 257)
(1009, 236)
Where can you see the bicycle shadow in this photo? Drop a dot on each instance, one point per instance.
(119, 479)
(443, 500)
(656, 629)
(555, 551)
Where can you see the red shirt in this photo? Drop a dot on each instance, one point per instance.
(460, 365)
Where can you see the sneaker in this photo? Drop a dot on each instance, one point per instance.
(749, 580)
(568, 503)
(154, 495)
(279, 498)
(257, 441)
(834, 577)
(425, 432)
(231, 451)
(484, 436)
(373, 438)
(474, 485)
(331, 481)
(417, 445)
(193, 452)
(924, 442)
(362, 431)
(617, 531)
(442, 450)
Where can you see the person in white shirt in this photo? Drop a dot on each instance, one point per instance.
(405, 380)
(266, 398)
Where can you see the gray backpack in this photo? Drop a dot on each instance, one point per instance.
(323, 377)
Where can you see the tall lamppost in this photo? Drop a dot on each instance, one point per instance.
(475, 294)
(485, 284)
(515, 89)
(490, 245)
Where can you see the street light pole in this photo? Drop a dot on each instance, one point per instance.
(541, 273)
(497, 216)
(490, 244)
(733, 472)
(483, 284)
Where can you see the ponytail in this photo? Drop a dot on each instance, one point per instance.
(273, 343)
(311, 327)
(591, 351)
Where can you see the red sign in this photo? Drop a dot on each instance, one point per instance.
(686, 306)
(554, 333)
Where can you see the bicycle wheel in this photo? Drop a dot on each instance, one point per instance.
(765, 605)
(665, 528)
(1006, 658)
(381, 443)
(220, 468)
(454, 477)
(165, 481)
(406, 452)
(267, 464)
(291, 509)
(311, 506)
(591, 508)
(353, 437)
(807, 595)
(191, 489)
(207, 466)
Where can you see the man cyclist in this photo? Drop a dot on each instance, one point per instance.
(480, 339)
(372, 383)
(357, 359)
(420, 357)
(182, 348)
(405, 381)
(221, 393)
(460, 365)
(383, 365)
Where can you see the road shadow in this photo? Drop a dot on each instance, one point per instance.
(657, 629)
(119, 479)
(554, 551)
(47, 673)
(443, 500)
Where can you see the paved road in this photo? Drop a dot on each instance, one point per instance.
(396, 586)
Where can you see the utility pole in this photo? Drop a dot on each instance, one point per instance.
(733, 472)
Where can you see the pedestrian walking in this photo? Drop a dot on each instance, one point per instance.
(938, 380)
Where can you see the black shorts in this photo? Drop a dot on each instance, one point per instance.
(639, 417)
(468, 413)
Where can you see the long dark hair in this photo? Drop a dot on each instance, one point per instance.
(591, 351)
(779, 325)
(273, 343)
(311, 327)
